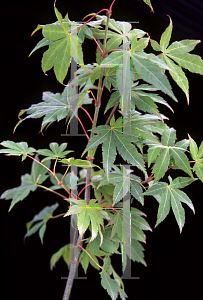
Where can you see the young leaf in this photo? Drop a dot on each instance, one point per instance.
(55, 152)
(17, 149)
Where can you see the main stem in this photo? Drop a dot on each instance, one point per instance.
(96, 112)
(76, 250)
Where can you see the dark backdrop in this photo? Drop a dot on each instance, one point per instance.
(174, 261)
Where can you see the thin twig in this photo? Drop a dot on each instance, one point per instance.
(112, 113)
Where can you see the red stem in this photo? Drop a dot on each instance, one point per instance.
(82, 127)
(104, 9)
(83, 189)
(98, 45)
(87, 113)
(110, 8)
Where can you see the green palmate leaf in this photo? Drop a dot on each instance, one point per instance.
(54, 32)
(28, 184)
(21, 192)
(62, 47)
(178, 211)
(109, 153)
(183, 144)
(178, 76)
(62, 60)
(197, 156)
(200, 152)
(55, 152)
(181, 160)
(110, 77)
(136, 252)
(17, 149)
(192, 62)
(152, 154)
(198, 169)
(110, 285)
(64, 252)
(121, 190)
(94, 246)
(155, 45)
(116, 220)
(40, 44)
(182, 46)
(42, 217)
(110, 245)
(141, 44)
(55, 107)
(86, 260)
(170, 195)
(59, 17)
(113, 59)
(136, 33)
(129, 152)
(124, 80)
(38, 171)
(144, 102)
(161, 165)
(139, 221)
(164, 207)
(104, 131)
(193, 148)
(83, 221)
(151, 73)
(155, 59)
(113, 42)
(156, 189)
(136, 190)
(181, 182)
(166, 36)
(169, 136)
(181, 196)
(78, 162)
(112, 23)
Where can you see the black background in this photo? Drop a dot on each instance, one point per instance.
(174, 260)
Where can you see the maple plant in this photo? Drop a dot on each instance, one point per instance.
(102, 198)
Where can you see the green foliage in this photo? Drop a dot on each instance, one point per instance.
(139, 136)
(41, 218)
